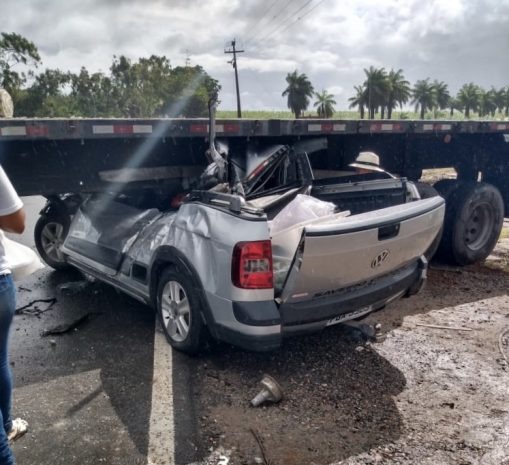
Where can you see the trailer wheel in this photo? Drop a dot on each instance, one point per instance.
(473, 221)
(178, 308)
(49, 235)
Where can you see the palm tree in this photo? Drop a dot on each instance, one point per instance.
(442, 95)
(399, 90)
(377, 87)
(468, 96)
(359, 100)
(454, 104)
(325, 103)
(487, 103)
(500, 99)
(423, 96)
(299, 91)
(506, 92)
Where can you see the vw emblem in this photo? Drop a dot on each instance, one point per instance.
(379, 259)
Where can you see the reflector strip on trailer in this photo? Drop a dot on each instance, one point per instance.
(385, 127)
(436, 127)
(326, 127)
(102, 129)
(499, 126)
(229, 128)
(13, 131)
(38, 131)
(122, 129)
(142, 129)
(199, 128)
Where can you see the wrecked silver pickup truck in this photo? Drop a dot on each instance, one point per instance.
(257, 251)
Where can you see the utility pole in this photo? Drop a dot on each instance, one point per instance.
(234, 64)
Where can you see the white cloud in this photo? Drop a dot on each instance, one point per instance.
(456, 41)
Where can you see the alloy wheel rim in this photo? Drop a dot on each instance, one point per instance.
(52, 239)
(176, 311)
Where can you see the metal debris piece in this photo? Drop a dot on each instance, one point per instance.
(271, 392)
(32, 309)
(73, 287)
(452, 328)
(65, 328)
(265, 460)
(379, 335)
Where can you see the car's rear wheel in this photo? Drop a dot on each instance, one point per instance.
(49, 236)
(179, 310)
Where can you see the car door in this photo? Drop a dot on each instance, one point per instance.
(103, 229)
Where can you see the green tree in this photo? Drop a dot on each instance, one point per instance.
(298, 92)
(487, 102)
(468, 96)
(325, 103)
(398, 92)
(377, 89)
(15, 50)
(359, 100)
(441, 95)
(500, 98)
(454, 104)
(423, 95)
(46, 97)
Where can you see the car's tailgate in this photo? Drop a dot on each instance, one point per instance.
(356, 249)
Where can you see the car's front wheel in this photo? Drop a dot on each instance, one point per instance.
(179, 310)
(49, 235)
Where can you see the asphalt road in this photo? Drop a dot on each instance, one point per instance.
(96, 393)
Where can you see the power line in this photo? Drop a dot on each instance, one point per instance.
(270, 21)
(300, 17)
(271, 33)
(262, 17)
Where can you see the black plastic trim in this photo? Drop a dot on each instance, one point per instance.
(261, 313)
(256, 342)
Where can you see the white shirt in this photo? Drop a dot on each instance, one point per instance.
(9, 203)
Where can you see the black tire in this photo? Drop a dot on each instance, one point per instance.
(473, 220)
(173, 322)
(49, 234)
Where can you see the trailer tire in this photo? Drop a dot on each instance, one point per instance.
(49, 234)
(473, 220)
(187, 331)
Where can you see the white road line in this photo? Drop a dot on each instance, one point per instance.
(161, 442)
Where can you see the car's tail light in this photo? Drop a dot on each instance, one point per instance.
(252, 265)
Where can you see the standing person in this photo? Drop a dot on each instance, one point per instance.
(12, 219)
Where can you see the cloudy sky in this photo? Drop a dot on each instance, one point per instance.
(455, 41)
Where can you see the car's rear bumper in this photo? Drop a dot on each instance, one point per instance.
(352, 302)
(262, 325)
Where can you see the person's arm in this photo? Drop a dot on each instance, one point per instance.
(12, 214)
(13, 223)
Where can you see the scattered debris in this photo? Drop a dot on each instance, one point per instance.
(501, 343)
(379, 335)
(65, 328)
(271, 392)
(36, 311)
(452, 328)
(73, 287)
(261, 445)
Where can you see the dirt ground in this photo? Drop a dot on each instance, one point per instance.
(423, 396)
